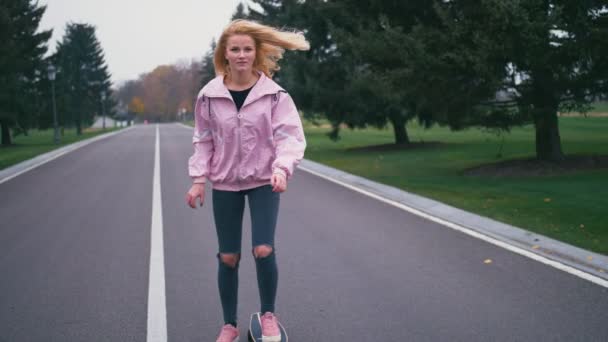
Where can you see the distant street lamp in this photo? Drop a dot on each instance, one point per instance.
(51, 70)
(103, 109)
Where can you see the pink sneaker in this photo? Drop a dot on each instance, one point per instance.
(228, 334)
(270, 328)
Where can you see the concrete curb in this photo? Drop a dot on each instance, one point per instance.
(592, 263)
(27, 165)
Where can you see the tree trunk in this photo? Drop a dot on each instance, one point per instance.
(399, 129)
(78, 123)
(548, 142)
(79, 107)
(6, 133)
(546, 101)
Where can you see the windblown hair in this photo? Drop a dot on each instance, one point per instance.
(270, 43)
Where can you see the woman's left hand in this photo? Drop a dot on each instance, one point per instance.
(278, 182)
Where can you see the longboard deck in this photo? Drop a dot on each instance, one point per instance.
(255, 329)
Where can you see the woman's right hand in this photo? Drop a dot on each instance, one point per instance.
(196, 191)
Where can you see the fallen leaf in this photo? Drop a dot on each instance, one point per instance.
(535, 247)
(487, 261)
(590, 258)
(602, 271)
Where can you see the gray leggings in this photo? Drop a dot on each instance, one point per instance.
(228, 209)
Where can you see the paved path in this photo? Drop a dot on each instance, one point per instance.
(75, 257)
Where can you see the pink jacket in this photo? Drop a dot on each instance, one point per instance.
(241, 150)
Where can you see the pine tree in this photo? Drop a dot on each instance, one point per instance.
(82, 75)
(207, 71)
(239, 13)
(21, 63)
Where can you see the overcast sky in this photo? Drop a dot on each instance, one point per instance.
(138, 35)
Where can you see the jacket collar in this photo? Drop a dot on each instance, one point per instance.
(264, 86)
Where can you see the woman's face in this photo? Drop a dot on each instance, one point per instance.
(240, 52)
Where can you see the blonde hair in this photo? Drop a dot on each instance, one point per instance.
(270, 43)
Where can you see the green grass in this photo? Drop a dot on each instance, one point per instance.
(569, 207)
(39, 142)
(600, 107)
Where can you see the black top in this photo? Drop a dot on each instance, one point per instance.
(239, 97)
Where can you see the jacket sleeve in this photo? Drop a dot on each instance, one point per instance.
(288, 136)
(198, 164)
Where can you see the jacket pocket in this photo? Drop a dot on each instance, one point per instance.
(266, 157)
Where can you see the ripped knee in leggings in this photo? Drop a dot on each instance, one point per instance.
(262, 251)
(230, 259)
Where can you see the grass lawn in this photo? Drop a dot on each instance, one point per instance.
(600, 107)
(39, 142)
(569, 207)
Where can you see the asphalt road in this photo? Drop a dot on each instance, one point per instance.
(75, 257)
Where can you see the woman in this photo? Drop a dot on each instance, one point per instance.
(248, 138)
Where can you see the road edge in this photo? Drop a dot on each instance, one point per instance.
(592, 263)
(30, 164)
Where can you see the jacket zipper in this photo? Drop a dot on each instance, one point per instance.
(238, 112)
(238, 118)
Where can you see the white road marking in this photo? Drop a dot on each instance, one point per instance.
(496, 242)
(157, 307)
